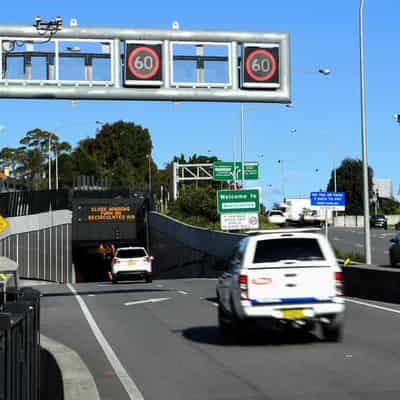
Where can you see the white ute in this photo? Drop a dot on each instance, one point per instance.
(282, 278)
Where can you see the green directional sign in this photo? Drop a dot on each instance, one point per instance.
(224, 171)
(238, 201)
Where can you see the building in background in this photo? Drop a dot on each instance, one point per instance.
(383, 188)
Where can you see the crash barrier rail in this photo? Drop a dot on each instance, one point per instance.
(20, 344)
(41, 245)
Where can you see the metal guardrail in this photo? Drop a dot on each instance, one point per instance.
(20, 344)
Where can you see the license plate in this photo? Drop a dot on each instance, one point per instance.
(292, 314)
(131, 263)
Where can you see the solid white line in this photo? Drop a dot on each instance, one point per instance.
(362, 303)
(126, 381)
(182, 292)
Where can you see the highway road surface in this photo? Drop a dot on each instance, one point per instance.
(351, 240)
(160, 341)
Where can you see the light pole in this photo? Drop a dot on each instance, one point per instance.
(242, 140)
(367, 232)
(281, 162)
(148, 156)
(49, 159)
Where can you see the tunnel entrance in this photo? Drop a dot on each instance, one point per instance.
(101, 223)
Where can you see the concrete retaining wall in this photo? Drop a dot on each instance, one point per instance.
(357, 221)
(184, 251)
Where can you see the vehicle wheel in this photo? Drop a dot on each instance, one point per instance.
(225, 327)
(393, 261)
(114, 280)
(149, 279)
(333, 332)
(241, 333)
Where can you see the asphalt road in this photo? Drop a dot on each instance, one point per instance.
(171, 348)
(351, 240)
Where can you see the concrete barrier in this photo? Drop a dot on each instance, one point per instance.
(372, 283)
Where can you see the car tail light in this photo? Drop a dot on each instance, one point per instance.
(338, 283)
(115, 261)
(147, 259)
(244, 287)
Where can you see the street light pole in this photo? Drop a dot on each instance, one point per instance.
(242, 139)
(149, 158)
(49, 160)
(283, 178)
(367, 232)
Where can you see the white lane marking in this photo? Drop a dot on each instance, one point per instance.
(386, 252)
(362, 303)
(336, 238)
(91, 295)
(126, 381)
(182, 292)
(159, 285)
(131, 303)
(359, 245)
(106, 284)
(214, 304)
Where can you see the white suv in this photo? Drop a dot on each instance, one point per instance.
(277, 217)
(282, 278)
(131, 263)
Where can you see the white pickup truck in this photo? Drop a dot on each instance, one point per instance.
(282, 278)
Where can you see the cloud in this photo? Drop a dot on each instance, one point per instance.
(2, 128)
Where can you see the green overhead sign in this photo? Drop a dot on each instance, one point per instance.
(238, 201)
(224, 171)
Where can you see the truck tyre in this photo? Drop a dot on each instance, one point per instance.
(333, 332)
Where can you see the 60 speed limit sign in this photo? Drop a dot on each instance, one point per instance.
(260, 67)
(143, 64)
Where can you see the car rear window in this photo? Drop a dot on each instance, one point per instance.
(274, 250)
(275, 213)
(131, 253)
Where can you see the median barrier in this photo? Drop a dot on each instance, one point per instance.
(372, 283)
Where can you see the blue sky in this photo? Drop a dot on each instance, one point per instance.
(326, 110)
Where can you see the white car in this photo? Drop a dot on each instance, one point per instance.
(131, 263)
(277, 217)
(283, 278)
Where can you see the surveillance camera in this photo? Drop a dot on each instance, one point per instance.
(73, 23)
(175, 25)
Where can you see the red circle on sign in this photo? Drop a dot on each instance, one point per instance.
(156, 62)
(250, 58)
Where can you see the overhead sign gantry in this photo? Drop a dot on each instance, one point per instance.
(51, 61)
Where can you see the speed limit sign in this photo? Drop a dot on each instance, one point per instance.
(260, 66)
(143, 64)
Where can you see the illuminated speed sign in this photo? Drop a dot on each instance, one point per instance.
(260, 67)
(143, 64)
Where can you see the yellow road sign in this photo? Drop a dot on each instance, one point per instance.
(3, 224)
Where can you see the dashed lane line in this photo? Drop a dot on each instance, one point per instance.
(363, 303)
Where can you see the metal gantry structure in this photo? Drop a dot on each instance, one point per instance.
(143, 64)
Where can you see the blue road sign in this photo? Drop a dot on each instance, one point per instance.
(328, 199)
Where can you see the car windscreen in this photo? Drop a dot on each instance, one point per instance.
(301, 249)
(131, 253)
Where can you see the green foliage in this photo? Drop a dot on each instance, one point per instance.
(353, 256)
(349, 180)
(388, 206)
(200, 203)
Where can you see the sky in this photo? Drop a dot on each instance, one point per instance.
(321, 129)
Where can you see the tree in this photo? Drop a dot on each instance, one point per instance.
(199, 205)
(119, 151)
(349, 180)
